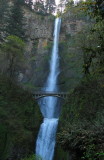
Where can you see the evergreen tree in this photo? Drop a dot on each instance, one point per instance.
(99, 8)
(4, 10)
(44, 7)
(29, 3)
(50, 6)
(69, 4)
(12, 51)
(15, 21)
(39, 7)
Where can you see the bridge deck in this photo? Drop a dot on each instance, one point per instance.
(40, 94)
(44, 92)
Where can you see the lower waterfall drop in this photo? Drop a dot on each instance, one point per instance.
(49, 106)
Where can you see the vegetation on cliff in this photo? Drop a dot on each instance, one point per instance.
(12, 51)
(81, 130)
(20, 117)
(19, 121)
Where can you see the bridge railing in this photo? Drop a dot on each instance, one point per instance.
(48, 92)
(41, 94)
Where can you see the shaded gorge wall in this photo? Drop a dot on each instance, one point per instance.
(70, 54)
(39, 34)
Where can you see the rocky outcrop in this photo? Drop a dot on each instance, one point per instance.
(71, 25)
(39, 31)
(38, 26)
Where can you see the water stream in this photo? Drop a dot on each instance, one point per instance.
(50, 105)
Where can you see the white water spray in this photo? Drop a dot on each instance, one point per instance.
(49, 106)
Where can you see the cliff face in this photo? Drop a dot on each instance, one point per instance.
(39, 36)
(39, 33)
(71, 55)
(80, 114)
(72, 24)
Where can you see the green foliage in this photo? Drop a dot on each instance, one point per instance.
(12, 50)
(91, 154)
(4, 11)
(13, 45)
(82, 120)
(44, 9)
(71, 63)
(4, 140)
(90, 39)
(16, 21)
(29, 85)
(29, 3)
(92, 45)
(3, 8)
(60, 153)
(93, 8)
(39, 8)
(48, 46)
(50, 6)
(88, 94)
(32, 157)
(76, 12)
(19, 121)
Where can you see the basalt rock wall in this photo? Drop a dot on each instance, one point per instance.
(39, 35)
(70, 53)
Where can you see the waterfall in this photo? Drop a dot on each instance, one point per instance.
(49, 106)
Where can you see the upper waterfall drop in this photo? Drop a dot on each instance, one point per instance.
(48, 104)
(46, 138)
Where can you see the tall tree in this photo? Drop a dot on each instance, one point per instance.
(4, 10)
(95, 7)
(50, 6)
(39, 7)
(29, 3)
(16, 20)
(12, 52)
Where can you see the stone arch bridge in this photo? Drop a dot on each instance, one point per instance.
(41, 94)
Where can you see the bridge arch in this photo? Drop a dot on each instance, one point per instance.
(38, 95)
(42, 96)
